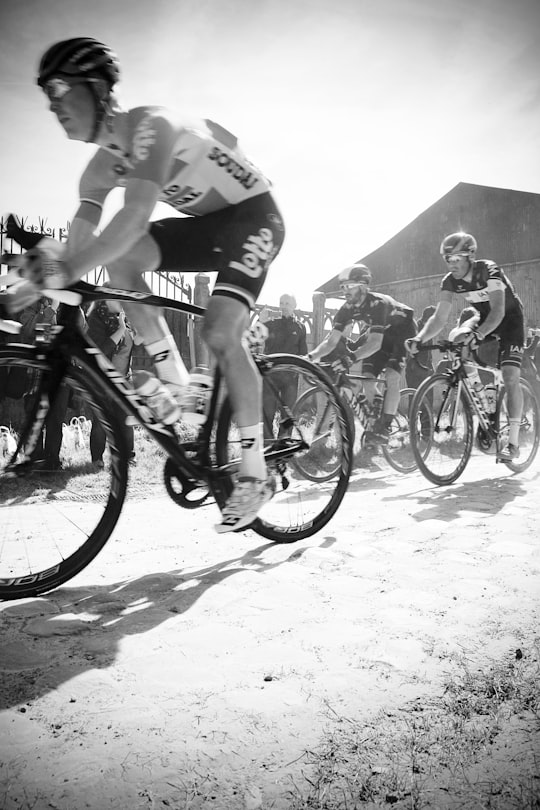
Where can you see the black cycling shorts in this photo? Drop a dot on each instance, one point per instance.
(239, 242)
(511, 334)
(392, 352)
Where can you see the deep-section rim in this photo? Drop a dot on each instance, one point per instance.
(516, 466)
(262, 527)
(421, 457)
(44, 581)
(386, 451)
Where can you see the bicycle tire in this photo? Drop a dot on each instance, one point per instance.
(440, 451)
(54, 525)
(301, 506)
(529, 432)
(398, 452)
(304, 405)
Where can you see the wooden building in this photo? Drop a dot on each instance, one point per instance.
(505, 223)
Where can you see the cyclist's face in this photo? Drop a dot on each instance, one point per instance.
(75, 110)
(354, 293)
(458, 264)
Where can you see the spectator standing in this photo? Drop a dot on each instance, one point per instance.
(108, 328)
(42, 311)
(285, 335)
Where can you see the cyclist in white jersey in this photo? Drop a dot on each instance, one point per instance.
(229, 224)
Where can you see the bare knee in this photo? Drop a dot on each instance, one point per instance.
(221, 341)
(224, 325)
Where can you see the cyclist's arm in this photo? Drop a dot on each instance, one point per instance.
(127, 226)
(436, 322)
(325, 346)
(153, 147)
(82, 228)
(373, 344)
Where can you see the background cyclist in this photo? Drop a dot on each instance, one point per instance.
(485, 287)
(232, 226)
(389, 325)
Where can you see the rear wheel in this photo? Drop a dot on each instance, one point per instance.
(529, 431)
(54, 522)
(308, 449)
(313, 412)
(441, 427)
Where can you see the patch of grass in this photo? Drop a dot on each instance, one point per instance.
(477, 746)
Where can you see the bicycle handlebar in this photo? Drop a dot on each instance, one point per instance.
(93, 292)
(455, 348)
(83, 291)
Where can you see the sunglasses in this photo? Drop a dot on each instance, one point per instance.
(455, 258)
(350, 285)
(55, 89)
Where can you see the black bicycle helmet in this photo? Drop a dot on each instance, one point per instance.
(458, 243)
(81, 57)
(356, 272)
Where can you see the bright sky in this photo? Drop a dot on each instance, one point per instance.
(362, 112)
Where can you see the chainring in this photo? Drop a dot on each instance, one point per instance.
(185, 491)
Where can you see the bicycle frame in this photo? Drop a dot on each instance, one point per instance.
(458, 380)
(62, 344)
(364, 410)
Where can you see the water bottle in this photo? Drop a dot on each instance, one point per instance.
(377, 405)
(157, 396)
(491, 398)
(474, 379)
(197, 396)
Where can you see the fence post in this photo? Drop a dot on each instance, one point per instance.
(201, 294)
(318, 299)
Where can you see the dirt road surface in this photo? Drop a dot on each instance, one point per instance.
(184, 669)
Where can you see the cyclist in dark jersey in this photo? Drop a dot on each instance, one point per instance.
(230, 224)
(389, 324)
(484, 286)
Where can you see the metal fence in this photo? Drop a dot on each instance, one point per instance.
(415, 292)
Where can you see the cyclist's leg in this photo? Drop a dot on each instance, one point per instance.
(225, 323)
(511, 352)
(249, 237)
(126, 273)
(239, 242)
(312, 467)
(394, 346)
(373, 367)
(391, 397)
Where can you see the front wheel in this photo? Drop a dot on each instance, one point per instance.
(398, 452)
(441, 429)
(54, 523)
(529, 431)
(308, 448)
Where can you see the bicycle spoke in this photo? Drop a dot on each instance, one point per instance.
(529, 431)
(398, 452)
(55, 522)
(441, 430)
(307, 446)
